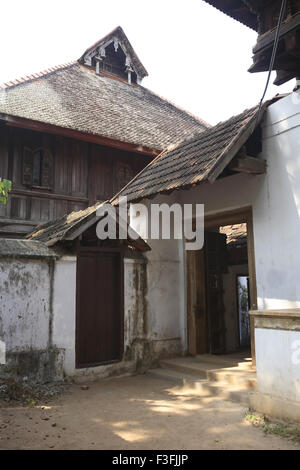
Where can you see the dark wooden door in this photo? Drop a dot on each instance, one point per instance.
(196, 302)
(99, 318)
(215, 252)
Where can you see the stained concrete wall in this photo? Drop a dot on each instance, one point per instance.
(166, 294)
(26, 317)
(38, 319)
(278, 362)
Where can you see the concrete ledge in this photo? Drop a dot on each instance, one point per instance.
(281, 313)
(93, 374)
(277, 319)
(276, 407)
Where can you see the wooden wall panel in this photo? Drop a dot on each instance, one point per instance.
(62, 166)
(79, 168)
(83, 173)
(40, 209)
(101, 174)
(3, 153)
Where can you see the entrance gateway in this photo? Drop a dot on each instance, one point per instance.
(221, 285)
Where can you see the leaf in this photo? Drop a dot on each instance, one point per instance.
(5, 187)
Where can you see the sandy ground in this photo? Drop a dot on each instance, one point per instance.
(130, 413)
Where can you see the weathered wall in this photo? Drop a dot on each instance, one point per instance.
(38, 319)
(24, 320)
(166, 296)
(26, 317)
(64, 309)
(136, 321)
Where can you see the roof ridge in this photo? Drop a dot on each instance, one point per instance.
(35, 76)
(196, 135)
(180, 108)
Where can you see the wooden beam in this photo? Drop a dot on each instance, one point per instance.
(230, 151)
(252, 282)
(235, 216)
(48, 195)
(73, 134)
(250, 165)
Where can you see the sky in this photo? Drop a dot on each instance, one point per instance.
(196, 56)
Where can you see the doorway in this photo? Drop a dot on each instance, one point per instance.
(99, 308)
(221, 287)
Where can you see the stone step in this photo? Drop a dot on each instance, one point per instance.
(190, 385)
(246, 379)
(234, 360)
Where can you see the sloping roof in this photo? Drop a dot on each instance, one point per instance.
(236, 234)
(74, 97)
(70, 226)
(195, 160)
(12, 248)
(238, 10)
(62, 228)
(120, 35)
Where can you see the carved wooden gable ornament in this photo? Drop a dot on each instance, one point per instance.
(115, 55)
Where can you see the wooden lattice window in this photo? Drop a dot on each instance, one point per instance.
(38, 167)
(124, 174)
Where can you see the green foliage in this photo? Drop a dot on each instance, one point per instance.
(278, 428)
(5, 187)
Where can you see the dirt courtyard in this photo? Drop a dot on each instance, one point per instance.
(131, 413)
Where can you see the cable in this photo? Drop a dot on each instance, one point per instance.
(274, 51)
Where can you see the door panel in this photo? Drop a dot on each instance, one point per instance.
(215, 252)
(99, 319)
(196, 302)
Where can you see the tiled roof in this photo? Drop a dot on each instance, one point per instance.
(70, 226)
(72, 96)
(56, 230)
(10, 248)
(192, 161)
(236, 234)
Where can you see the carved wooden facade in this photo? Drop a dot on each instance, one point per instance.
(52, 175)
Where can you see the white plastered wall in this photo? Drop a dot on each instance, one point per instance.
(278, 362)
(166, 297)
(64, 310)
(276, 209)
